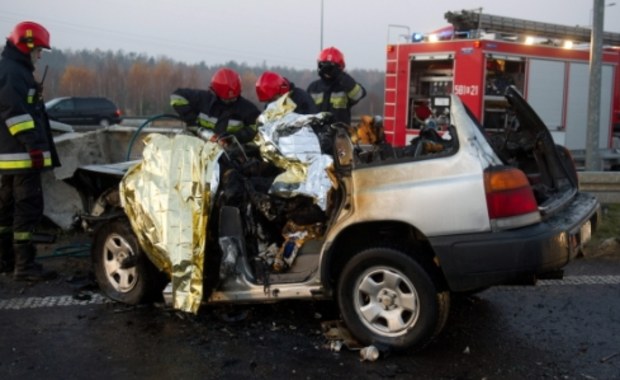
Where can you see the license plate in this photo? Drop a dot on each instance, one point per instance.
(585, 234)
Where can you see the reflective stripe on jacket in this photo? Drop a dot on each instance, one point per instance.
(178, 100)
(210, 122)
(10, 161)
(337, 96)
(203, 108)
(23, 121)
(19, 123)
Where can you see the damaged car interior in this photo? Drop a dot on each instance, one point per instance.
(309, 211)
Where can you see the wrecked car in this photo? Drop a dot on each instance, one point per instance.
(305, 213)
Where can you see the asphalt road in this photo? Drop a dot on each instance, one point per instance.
(64, 329)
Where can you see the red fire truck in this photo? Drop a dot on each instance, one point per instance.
(479, 55)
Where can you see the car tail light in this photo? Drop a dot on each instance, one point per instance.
(117, 113)
(510, 200)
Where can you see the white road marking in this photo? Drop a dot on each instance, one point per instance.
(50, 301)
(583, 280)
(98, 299)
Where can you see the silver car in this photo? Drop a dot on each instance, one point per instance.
(395, 234)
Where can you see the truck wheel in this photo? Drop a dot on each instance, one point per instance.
(122, 270)
(386, 298)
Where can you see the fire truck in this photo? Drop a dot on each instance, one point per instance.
(479, 55)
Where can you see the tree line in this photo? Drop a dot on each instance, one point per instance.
(141, 85)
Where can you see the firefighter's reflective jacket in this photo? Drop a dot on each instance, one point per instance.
(337, 96)
(204, 108)
(23, 122)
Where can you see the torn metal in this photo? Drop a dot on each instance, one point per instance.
(168, 197)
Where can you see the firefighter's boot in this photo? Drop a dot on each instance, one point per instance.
(7, 257)
(26, 269)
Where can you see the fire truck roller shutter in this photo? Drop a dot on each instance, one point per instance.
(577, 105)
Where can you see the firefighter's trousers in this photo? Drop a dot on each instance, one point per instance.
(21, 204)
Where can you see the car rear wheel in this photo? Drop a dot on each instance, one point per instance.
(104, 122)
(386, 298)
(122, 270)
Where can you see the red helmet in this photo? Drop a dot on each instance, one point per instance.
(333, 55)
(226, 84)
(27, 35)
(269, 85)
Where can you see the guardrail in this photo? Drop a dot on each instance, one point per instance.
(610, 158)
(604, 185)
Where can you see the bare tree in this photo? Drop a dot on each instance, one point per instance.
(138, 87)
(78, 81)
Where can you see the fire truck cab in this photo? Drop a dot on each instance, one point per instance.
(479, 57)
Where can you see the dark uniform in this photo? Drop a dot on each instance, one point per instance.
(26, 148)
(204, 108)
(305, 103)
(337, 95)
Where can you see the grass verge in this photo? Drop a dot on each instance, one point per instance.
(608, 229)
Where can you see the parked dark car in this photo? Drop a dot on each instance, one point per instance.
(84, 111)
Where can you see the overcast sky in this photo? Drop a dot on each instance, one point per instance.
(276, 32)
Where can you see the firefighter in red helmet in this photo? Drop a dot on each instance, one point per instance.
(26, 149)
(270, 86)
(336, 91)
(220, 109)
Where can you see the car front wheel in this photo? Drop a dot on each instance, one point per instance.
(122, 270)
(386, 298)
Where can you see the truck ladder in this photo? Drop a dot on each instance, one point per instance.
(476, 21)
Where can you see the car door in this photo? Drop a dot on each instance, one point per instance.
(84, 111)
(63, 111)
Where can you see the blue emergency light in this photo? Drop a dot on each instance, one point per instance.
(417, 37)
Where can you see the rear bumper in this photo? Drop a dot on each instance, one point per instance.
(476, 261)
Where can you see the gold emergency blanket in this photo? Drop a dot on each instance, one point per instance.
(287, 140)
(166, 197)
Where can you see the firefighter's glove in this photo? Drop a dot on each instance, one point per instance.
(323, 118)
(225, 135)
(224, 139)
(329, 70)
(346, 81)
(36, 157)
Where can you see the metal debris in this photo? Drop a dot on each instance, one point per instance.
(609, 357)
(337, 331)
(335, 345)
(370, 353)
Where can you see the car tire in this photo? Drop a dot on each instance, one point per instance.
(104, 122)
(122, 270)
(388, 299)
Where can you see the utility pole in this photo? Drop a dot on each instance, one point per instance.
(593, 160)
(321, 49)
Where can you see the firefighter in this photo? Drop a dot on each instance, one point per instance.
(336, 91)
(270, 86)
(26, 149)
(220, 109)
